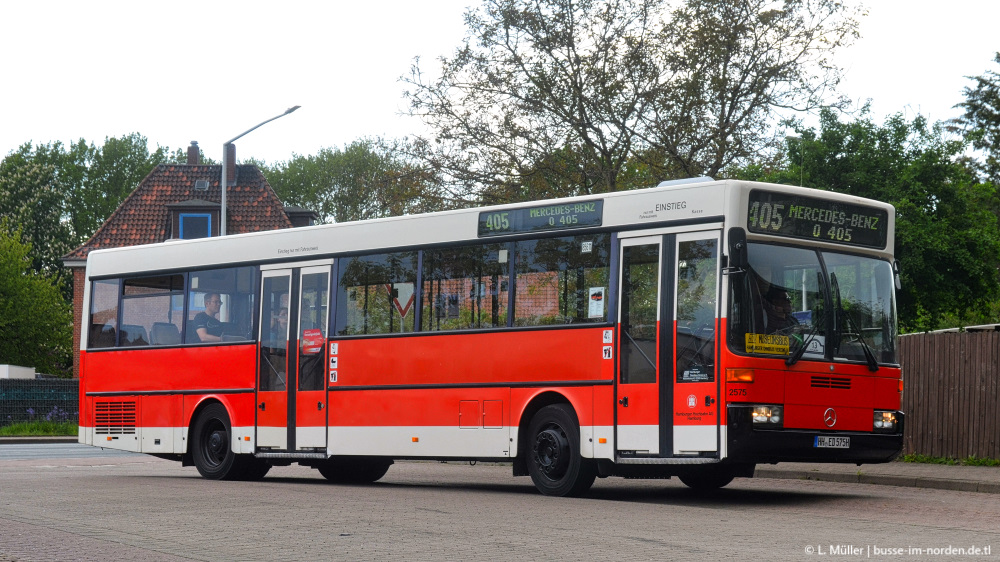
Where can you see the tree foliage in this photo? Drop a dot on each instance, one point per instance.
(59, 195)
(31, 197)
(947, 237)
(35, 320)
(565, 96)
(92, 180)
(366, 179)
(981, 120)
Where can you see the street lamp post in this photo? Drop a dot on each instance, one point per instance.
(225, 164)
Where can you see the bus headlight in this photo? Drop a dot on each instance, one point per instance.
(767, 415)
(885, 422)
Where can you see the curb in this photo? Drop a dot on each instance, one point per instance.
(38, 440)
(882, 480)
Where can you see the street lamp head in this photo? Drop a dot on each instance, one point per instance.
(291, 109)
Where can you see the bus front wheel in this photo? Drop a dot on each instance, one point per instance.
(553, 453)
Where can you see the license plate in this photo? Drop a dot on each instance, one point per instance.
(828, 442)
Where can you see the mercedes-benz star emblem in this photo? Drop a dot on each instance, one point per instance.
(830, 417)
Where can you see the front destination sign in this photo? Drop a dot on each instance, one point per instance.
(812, 218)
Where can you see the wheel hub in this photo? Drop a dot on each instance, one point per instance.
(551, 452)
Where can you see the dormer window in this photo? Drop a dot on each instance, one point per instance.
(195, 225)
(193, 219)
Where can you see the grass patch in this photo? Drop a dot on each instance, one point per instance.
(967, 461)
(38, 428)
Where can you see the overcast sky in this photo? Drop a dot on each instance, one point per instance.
(208, 70)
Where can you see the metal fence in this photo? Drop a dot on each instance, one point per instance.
(951, 394)
(38, 399)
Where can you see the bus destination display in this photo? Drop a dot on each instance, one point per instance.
(541, 218)
(811, 218)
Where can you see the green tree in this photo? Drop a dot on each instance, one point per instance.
(31, 197)
(566, 95)
(36, 322)
(112, 172)
(947, 237)
(981, 121)
(366, 179)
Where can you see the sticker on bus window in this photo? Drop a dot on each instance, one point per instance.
(596, 308)
(312, 342)
(770, 344)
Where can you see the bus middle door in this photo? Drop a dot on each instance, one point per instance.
(291, 394)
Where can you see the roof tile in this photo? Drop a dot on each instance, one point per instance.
(143, 217)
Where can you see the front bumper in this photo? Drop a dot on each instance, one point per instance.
(747, 444)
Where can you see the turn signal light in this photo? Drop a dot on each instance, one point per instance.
(415, 439)
(739, 375)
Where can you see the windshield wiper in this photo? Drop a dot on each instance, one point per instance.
(802, 348)
(869, 354)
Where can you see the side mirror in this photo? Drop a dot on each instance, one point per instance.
(738, 248)
(895, 274)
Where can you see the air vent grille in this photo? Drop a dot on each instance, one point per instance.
(114, 418)
(842, 383)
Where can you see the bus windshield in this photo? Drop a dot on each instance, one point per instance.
(810, 304)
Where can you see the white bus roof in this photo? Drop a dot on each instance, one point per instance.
(703, 200)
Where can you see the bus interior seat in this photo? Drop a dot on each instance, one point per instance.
(101, 335)
(164, 333)
(134, 335)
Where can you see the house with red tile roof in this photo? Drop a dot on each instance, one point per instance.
(182, 201)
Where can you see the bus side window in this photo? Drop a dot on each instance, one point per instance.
(103, 314)
(376, 294)
(465, 287)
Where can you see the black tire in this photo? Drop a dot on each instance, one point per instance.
(709, 478)
(211, 445)
(359, 470)
(553, 453)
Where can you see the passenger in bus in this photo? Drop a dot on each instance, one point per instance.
(279, 326)
(778, 307)
(206, 324)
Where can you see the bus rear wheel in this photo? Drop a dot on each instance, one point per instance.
(553, 454)
(211, 445)
(362, 470)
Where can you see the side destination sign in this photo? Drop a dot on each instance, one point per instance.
(541, 218)
(812, 218)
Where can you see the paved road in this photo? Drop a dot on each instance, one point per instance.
(10, 452)
(137, 507)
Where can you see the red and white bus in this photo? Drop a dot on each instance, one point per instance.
(694, 329)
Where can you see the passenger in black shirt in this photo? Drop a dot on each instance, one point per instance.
(206, 324)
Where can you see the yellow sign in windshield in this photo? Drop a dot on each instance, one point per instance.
(771, 344)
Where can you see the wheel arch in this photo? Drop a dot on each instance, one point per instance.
(536, 403)
(199, 406)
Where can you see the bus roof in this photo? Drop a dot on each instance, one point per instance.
(704, 201)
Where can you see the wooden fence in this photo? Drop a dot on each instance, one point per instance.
(951, 394)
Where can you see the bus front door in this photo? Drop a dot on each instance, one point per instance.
(291, 394)
(639, 349)
(696, 320)
(667, 387)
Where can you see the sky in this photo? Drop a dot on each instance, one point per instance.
(208, 70)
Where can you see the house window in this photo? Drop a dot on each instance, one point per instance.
(195, 225)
